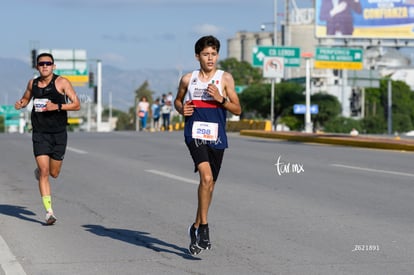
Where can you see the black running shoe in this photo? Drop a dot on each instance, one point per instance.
(203, 238)
(193, 248)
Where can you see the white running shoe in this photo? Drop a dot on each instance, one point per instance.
(50, 218)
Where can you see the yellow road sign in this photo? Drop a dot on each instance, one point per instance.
(338, 65)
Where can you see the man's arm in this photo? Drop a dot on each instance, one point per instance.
(63, 85)
(232, 103)
(27, 96)
(187, 108)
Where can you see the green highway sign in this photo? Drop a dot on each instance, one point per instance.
(71, 72)
(291, 55)
(12, 122)
(338, 58)
(11, 115)
(9, 110)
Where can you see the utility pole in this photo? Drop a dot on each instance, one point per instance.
(272, 97)
(99, 95)
(389, 106)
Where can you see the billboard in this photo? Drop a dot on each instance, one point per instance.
(380, 19)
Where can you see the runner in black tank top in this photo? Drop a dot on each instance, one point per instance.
(49, 121)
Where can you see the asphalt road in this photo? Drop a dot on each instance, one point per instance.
(124, 202)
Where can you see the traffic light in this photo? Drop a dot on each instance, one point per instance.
(34, 56)
(91, 80)
(355, 102)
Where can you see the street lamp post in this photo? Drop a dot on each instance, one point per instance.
(99, 96)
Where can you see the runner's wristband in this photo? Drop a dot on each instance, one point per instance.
(223, 101)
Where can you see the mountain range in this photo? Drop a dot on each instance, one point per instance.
(118, 84)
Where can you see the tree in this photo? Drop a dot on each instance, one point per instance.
(374, 124)
(125, 121)
(376, 105)
(373, 104)
(256, 99)
(328, 108)
(341, 124)
(144, 90)
(402, 107)
(243, 73)
(287, 94)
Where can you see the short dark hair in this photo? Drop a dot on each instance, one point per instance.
(207, 41)
(45, 54)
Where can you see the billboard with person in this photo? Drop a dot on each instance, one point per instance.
(365, 19)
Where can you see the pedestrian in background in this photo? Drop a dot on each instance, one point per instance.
(156, 112)
(166, 112)
(143, 108)
(49, 121)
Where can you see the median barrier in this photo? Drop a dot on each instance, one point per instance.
(395, 143)
(248, 124)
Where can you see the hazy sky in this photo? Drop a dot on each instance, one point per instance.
(129, 34)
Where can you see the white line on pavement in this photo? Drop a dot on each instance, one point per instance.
(76, 150)
(171, 176)
(374, 170)
(8, 262)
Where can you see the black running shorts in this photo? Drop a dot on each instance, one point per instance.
(204, 153)
(51, 144)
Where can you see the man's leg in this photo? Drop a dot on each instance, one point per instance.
(55, 166)
(205, 196)
(205, 193)
(47, 166)
(43, 163)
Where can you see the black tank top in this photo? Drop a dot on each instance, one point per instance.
(50, 121)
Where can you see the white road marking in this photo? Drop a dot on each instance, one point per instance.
(76, 150)
(374, 170)
(8, 262)
(172, 176)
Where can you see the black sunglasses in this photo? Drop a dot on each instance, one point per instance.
(47, 63)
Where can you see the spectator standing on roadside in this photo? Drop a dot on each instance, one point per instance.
(143, 108)
(156, 112)
(166, 110)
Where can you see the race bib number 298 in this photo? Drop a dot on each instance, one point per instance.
(205, 130)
